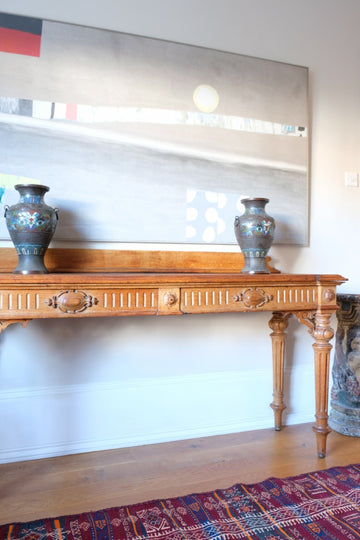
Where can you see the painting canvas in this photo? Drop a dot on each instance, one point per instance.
(144, 140)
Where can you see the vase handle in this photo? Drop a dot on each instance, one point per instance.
(6, 208)
(236, 221)
(56, 210)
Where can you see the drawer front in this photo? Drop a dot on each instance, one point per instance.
(78, 302)
(210, 300)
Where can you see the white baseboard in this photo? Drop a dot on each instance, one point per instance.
(71, 419)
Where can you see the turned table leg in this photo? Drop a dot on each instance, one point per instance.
(278, 323)
(322, 334)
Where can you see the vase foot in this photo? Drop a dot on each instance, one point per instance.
(30, 264)
(255, 266)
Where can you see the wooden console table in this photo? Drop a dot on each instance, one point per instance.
(93, 292)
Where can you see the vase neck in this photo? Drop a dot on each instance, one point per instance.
(254, 205)
(31, 193)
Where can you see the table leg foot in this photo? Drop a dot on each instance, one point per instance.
(278, 409)
(321, 438)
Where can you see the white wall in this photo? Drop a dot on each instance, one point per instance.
(70, 386)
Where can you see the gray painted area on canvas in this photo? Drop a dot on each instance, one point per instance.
(111, 124)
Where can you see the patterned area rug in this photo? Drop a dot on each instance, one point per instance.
(322, 505)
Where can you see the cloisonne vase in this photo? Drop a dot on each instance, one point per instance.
(31, 224)
(254, 231)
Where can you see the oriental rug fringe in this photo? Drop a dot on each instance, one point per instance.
(320, 505)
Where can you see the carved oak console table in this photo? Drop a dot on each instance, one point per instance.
(311, 298)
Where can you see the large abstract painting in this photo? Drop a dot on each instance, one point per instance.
(143, 140)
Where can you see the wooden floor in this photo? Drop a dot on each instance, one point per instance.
(72, 484)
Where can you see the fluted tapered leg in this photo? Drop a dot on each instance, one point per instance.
(322, 333)
(278, 323)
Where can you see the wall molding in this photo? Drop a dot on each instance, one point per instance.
(67, 405)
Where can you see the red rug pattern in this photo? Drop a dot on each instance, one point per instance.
(324, 505)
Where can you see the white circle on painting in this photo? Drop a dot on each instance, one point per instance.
(190, 195)
(209, 234)
(211, 215)
(222, 200)
(206, 98)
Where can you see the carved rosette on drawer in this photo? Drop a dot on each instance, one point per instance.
(329, 295)
(169, 301)
(72, 301)
(253, 297)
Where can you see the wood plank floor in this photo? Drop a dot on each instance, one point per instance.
(76, 483)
